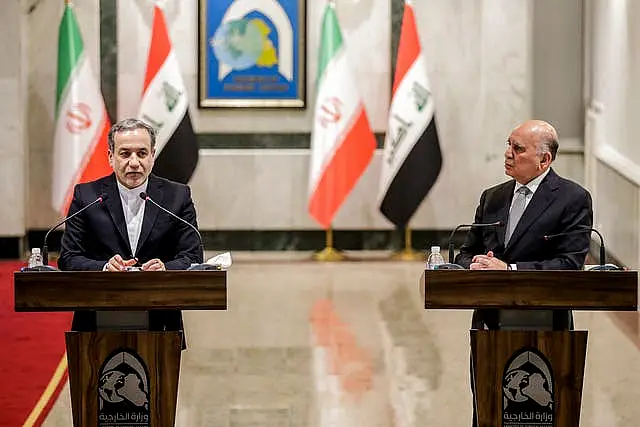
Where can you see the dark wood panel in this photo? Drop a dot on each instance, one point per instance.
(492, 350)
(68, 291)
(577, 290)
(160, 352)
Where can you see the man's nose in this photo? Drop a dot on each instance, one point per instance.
(508, 152)
(134, 161)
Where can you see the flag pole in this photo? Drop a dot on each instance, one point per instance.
(329, 253)
(407, 253)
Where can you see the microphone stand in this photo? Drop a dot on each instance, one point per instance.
(45, 249)
(451, 265)
(602, 266)
(201, 266)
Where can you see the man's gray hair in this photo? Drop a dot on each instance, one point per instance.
(130, 124)
(547, 138)
(549, 144)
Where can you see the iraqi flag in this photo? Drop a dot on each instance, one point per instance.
(165, 107)
(342, 143)
(411, 159)
(82, 123)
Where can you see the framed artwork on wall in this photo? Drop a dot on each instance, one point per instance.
(252, 53)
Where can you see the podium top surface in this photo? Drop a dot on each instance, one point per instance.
(140, 290)
(566, 289)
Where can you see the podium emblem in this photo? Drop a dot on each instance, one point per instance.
(123, 391)
(527, 390)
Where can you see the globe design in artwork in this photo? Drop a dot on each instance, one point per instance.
(109, 385)
(514, 383)
(520, 386)
(243, 43)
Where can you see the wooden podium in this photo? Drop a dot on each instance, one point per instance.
(529, 378)
(122, 378)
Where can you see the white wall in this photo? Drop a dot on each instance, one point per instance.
(480, 63)
(612, 151)
(365, 26)
(42, 22)
(479, 60)
(12, 113)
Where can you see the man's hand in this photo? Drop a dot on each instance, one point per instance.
(116, 263)
(153, 265)
(487, 262)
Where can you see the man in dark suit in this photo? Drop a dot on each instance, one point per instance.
(535, 203)
(547, 204)
(124, 231)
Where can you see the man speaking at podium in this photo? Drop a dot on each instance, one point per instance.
(124, 232)
(535, 203)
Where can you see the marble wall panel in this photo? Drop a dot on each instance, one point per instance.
(12, 114)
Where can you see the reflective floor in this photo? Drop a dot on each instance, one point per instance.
(348, 344)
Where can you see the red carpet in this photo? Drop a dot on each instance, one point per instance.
(32, 357)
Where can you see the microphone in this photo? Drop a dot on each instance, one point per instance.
(603, 257)
(450, 265)
(144, 196)
(474, 225)
(45, 252)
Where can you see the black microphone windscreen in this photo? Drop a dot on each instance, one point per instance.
(103, 197)
(143, 195)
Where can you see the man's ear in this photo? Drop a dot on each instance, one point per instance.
(546, 159)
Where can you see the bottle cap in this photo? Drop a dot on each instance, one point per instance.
(35, 250)
(435, 248)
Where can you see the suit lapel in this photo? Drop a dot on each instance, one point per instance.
(114, 206)
(154, 190)
(542, 198)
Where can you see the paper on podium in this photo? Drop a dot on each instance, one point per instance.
(222, 261)
(606, 267)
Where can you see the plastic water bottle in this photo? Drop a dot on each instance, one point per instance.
(35, 260)
(435, 258)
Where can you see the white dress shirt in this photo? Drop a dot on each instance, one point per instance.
(520, 320)
(133, 207)
(532, 186)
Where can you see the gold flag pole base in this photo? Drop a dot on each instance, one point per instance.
(329, 253)
(408, 253)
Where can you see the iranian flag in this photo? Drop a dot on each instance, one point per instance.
(165, 105)
(411, 159)
(342, 143)
(82, 124)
